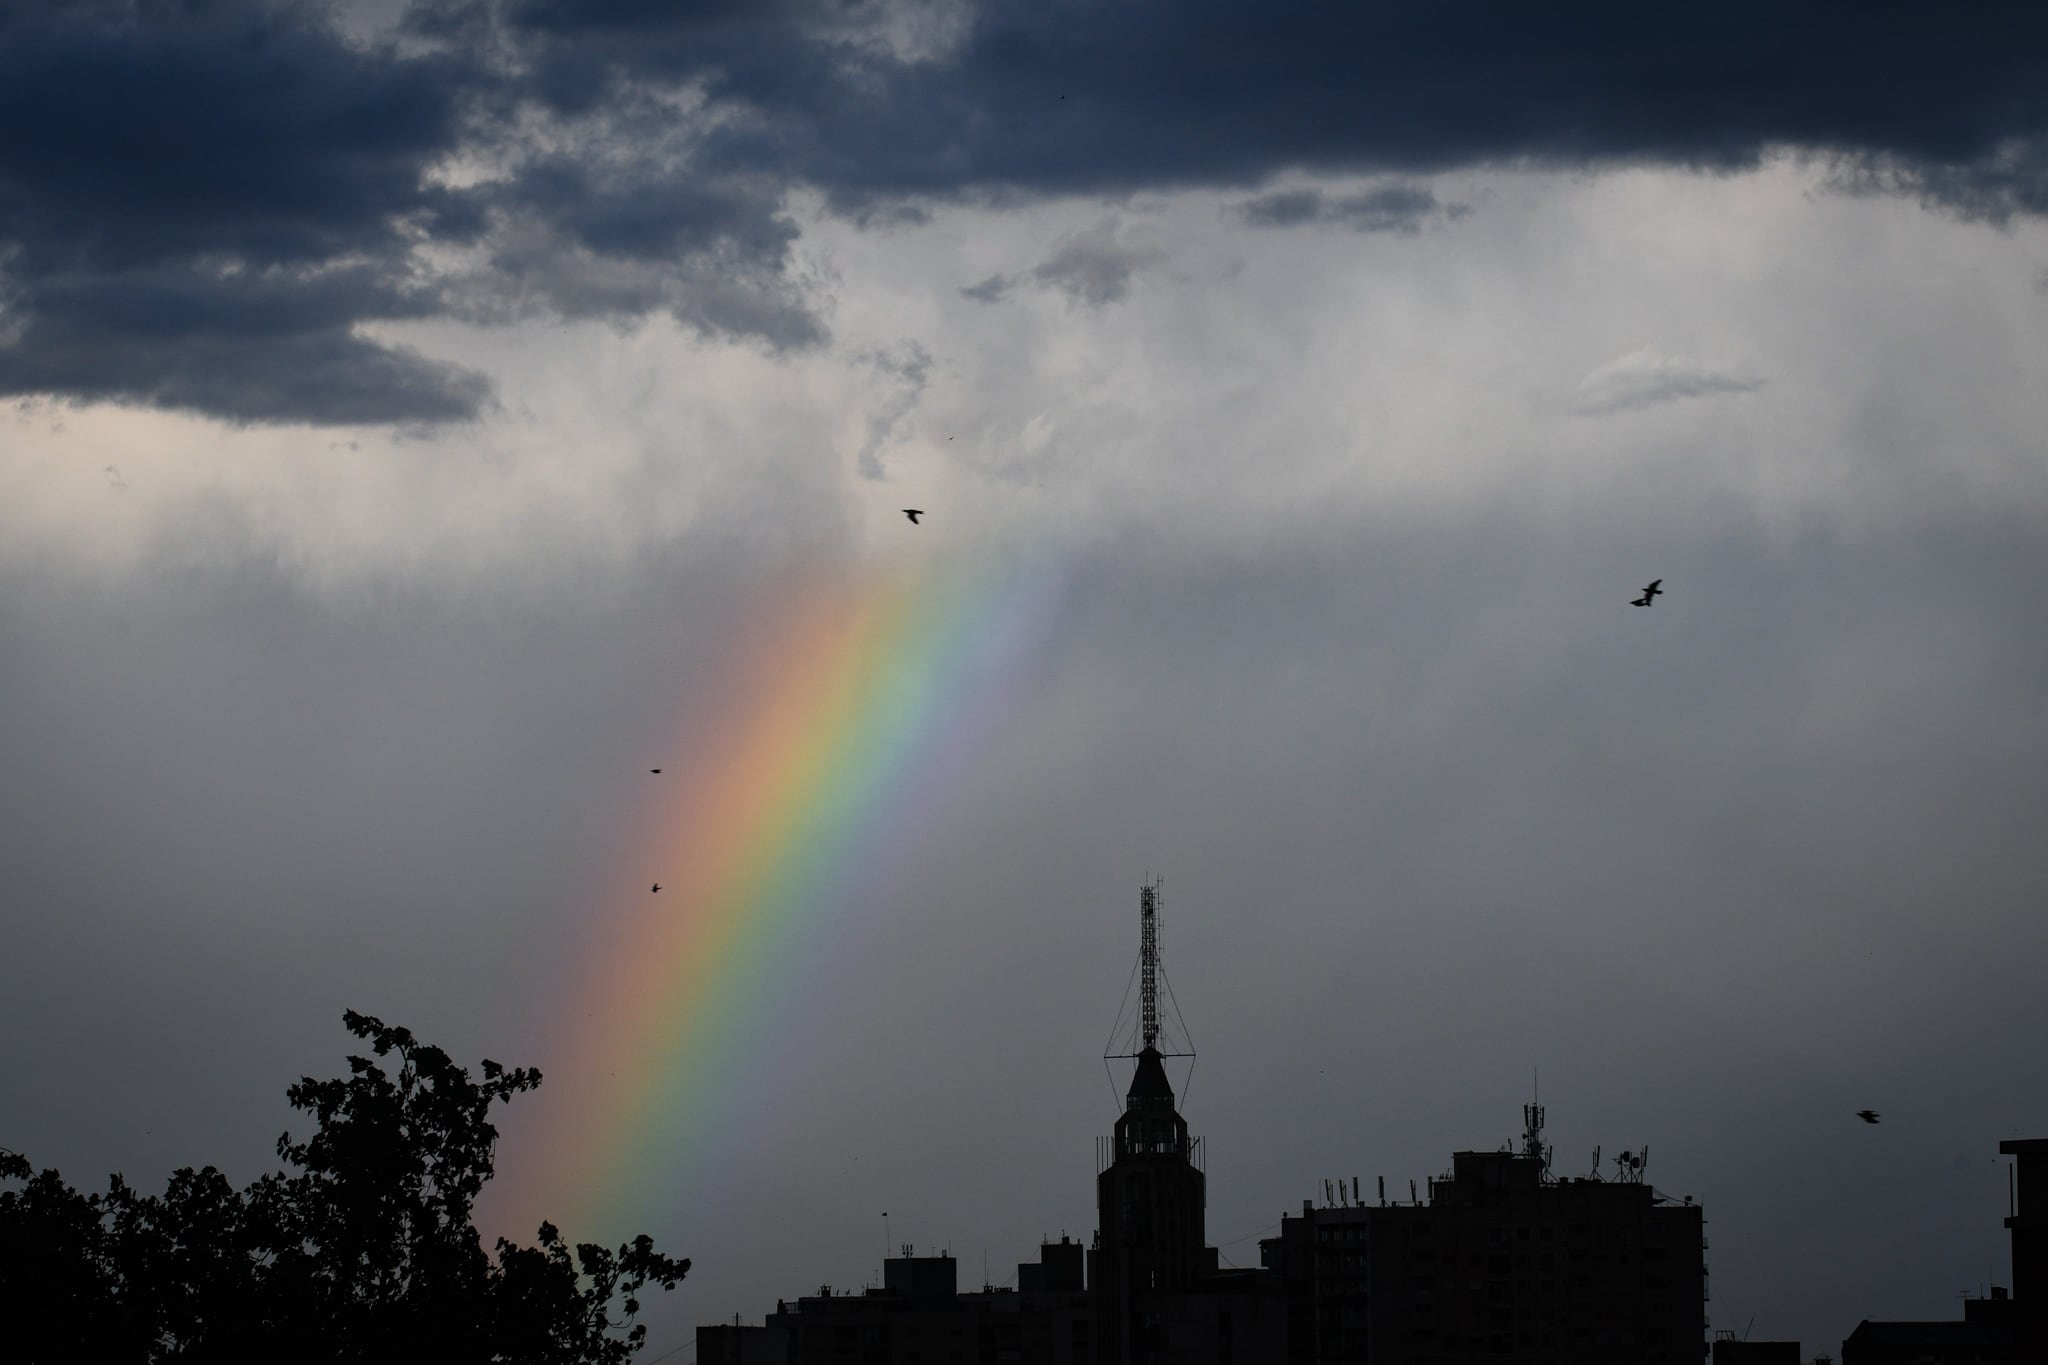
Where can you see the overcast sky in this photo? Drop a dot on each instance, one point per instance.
(408, 408)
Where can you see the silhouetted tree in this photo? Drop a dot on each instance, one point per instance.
(362, 1249)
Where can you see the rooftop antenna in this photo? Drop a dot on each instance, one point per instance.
(1149, 975)
(1148, 962)
(1532, 1136)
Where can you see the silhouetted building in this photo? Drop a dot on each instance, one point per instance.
(1151, 1199)
(1983, 1337)
(1729, 1351)
(1157, 1291)
(733, 1344)
(1499, 1264)
(2028, 1225)
(2000, 1330)
(918, 1315)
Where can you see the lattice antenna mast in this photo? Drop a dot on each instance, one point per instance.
(1148, 962)
(1149, 1027)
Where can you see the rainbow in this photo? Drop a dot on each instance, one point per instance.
(835, 729)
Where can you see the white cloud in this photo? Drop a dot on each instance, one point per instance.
(1645, 378)
(1260, 382)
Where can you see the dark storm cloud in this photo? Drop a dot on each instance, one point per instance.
(1401, 209)
(202, 206)
(617, 216)
(199, 206)
(274, 345)
(1084, 98)
(2011, 181)
(129, 144)
(636, 155)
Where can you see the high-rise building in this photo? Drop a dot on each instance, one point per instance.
(1157, 1292)
(1499, 1264)
(1150, 1197)
(2028, 1226)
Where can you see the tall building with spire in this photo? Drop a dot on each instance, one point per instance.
(1150, 1200)
(1157, 1293)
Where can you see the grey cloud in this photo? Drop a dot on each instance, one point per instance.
(1096, 266)
(910, 365)
(1645, 378)
(1093, 267)
(634, 234)
(1402, 209)
(991, 290)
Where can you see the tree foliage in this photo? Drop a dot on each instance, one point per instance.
(361, 1249)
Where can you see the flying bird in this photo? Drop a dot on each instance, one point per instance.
(1867, 1115)
(654, 770)
(1652, 591)
(913, 513)
(655, 887)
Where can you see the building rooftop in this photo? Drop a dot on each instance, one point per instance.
(1870, 1333)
